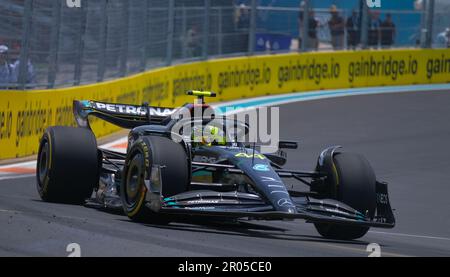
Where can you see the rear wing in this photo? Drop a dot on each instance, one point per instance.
(123, 115)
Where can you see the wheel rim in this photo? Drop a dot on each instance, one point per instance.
(43, 162)
(133, 181)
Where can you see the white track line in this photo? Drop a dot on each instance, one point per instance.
(14, 176)
(114, 143)
(5, 175)
(410, 235)
(280, 99)
(22, 164)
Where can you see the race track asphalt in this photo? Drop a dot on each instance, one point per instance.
(405, 136)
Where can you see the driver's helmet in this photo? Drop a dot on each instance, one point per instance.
(208, 135)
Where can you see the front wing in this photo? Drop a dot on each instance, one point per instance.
(247, 205)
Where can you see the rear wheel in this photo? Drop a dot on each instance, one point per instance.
(148, 151)
(67, 165)
(354, 184)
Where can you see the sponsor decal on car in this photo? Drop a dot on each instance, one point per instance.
(133, 110)
(200, 208)
(205, 159)
(261, 167)
(250, 156)
(284, 202)
(117, 108)
(192, 202)
(382, 198)
(270, 179)
(161, 111)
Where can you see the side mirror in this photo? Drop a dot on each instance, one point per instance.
(284, 144)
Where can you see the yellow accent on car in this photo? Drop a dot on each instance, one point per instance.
(201, 93)
(49, 150)
(249, 156)
(140, 202)
(49, 165)
(336, 175)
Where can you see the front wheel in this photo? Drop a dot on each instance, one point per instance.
(354, 184)
(145, 152)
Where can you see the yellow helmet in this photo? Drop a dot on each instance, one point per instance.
(208, 135)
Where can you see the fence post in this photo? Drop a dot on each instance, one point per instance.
(125, 39)
(429, 24)
(305, 25)
(423, 22)
(252, 29)
(80, 41)
(345, 16)
(364, 25)
(220, 27)
(54, 44)
(103, 42)
(184, 30)
(25, 47)
(145, 39)
(170, 32)
(206, 23)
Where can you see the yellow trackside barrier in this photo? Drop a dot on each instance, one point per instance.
(25, 114)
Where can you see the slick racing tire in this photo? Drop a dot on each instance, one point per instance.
(143, 154)
(355, 186)
(67, 165)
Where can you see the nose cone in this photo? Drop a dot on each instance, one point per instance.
(266, 180)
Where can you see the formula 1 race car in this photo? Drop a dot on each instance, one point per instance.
(166, 172)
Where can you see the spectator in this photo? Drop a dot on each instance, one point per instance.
(16, 72)
(238, 42)
(337, 29)
(300, 24)
(6, 69)
(387, 32)
(374, 29)
(243, 17)
(312, 42)
(193, 42)
(353, 30)
(443, 39)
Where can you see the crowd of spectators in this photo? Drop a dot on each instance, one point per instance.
(380, 33)
(237, 34)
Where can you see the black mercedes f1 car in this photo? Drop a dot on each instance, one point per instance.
(160, 177)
